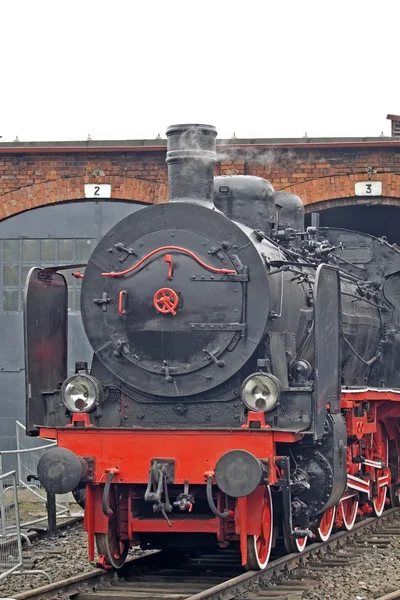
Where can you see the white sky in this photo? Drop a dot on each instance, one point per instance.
(128, 69)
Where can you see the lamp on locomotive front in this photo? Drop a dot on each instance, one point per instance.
(81, 393)
(260, 392)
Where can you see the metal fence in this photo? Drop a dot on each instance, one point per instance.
(23, 501)
(31, 496)
(10, 540)
(11, 560)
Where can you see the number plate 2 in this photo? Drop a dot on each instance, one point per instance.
(93, 190)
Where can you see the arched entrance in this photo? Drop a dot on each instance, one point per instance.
(379, 219)
(53, 234)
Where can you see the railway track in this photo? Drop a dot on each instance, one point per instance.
(219, 576)
(392, 596)
(38, 533)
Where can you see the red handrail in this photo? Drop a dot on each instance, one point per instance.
(178, 249)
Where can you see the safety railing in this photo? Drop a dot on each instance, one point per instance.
(11, 559)
(10, 541)
(31, 496)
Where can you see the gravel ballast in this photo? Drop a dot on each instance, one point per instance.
(368, 573)
(61, 557)
(373, 572)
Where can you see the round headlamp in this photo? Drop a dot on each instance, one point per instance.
(81, 392)
(260, 392)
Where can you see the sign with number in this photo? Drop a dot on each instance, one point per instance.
(92, 190)
(368, 188)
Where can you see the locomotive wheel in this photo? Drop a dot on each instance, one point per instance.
(394, 497)
(326, 524)
(259, 546)
(300, 544)
(109, 544)
(293, 545)
(380, 451)
(114, 550)
(348, 508)
(394, 489)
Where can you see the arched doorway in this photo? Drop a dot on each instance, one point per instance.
(378, 219)
(54, 234)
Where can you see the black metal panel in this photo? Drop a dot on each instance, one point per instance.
(293, 412)
(121, 407)
(277, 347)
(246, 199)
(327, 345)
(45, 320)
(290, 210)
(368, 258)
(140, 344)
(334, 448)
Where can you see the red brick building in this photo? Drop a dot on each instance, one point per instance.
(323, 172)
(319, 170)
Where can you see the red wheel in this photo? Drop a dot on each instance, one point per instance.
(380, 451)
(112, 550)
(300, 544)
(259, 546)
(293, 544)
(348, 507)
(326, 524)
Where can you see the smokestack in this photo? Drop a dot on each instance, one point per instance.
(190, 159)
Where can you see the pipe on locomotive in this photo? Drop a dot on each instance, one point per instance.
(190, 158)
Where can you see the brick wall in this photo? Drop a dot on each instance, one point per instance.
(35, 176)
(326, 175)
(31, 180)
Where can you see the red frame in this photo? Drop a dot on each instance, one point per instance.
(195, 453)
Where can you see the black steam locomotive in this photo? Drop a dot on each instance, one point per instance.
(235, 352)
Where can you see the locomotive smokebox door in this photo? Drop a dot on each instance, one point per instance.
(327, 312)
(45, 330)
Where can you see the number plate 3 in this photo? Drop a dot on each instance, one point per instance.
(368, 188)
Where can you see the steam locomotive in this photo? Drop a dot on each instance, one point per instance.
(244, 382)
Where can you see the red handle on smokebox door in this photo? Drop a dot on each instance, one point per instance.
(168, 259)
(122, 302)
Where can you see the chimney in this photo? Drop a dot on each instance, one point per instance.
(190, 159)
(395, 125)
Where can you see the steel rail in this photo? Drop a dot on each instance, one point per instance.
(73, 586)
(40, 533)
(392, 596)
(228, 589)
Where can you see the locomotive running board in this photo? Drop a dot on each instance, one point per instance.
(327, 332)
